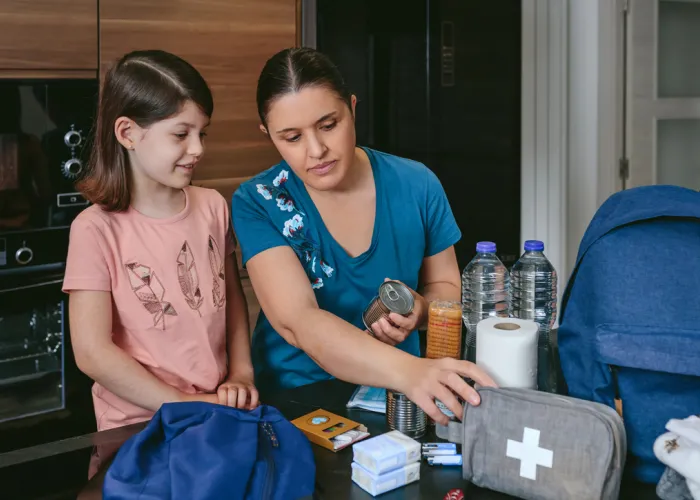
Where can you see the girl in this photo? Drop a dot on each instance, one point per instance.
(157, 313)
(322, 230)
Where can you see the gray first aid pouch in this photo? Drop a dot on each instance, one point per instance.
(540, 446)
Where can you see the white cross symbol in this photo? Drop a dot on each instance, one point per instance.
(529, 453)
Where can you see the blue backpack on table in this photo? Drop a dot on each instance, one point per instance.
(630, 318)
(203, 451)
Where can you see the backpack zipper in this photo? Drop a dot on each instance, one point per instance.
(272, 442)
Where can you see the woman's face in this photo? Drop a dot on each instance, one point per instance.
(314, 131)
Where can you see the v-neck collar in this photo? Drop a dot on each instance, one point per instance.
(338, 249)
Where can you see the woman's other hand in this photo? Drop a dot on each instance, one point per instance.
(397, 328)
(426, 380)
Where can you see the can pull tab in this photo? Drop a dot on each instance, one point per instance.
(393, 294)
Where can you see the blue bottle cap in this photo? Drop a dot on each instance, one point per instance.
(486, 247)
(534, 246)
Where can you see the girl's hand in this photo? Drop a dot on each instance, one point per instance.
(428, 379)
(202, 397)
(399, 327)
(238, 392)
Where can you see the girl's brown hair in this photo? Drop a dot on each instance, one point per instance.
(145, 86)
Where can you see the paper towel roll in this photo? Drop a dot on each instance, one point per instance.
(506, 348)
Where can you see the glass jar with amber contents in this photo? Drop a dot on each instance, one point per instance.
(444, 336)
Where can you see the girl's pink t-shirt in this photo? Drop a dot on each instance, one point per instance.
(166, 277)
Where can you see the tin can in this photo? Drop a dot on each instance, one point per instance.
(393, 297)
(404, 415)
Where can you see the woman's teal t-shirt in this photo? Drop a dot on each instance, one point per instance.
(413, 221)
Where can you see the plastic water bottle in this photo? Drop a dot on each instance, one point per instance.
(485, 292)
(534, 297)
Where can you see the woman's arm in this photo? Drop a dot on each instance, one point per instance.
(440, 280)
(347, 352)
(100, 359)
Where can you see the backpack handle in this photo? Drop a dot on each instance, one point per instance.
(629, 207)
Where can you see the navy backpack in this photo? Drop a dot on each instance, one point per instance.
(203, 451)
(630, 318)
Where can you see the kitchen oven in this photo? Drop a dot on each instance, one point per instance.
(44, 140)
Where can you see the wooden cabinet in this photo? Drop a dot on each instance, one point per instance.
(50, 36)
(252, 300)
(228, 41)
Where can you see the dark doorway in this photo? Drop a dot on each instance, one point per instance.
(438, 81)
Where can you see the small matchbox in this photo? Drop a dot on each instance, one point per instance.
(329, 430)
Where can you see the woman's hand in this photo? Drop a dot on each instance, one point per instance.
(399, 327)
(428, 379)
(238, 392)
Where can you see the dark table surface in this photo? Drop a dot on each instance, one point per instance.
(333, 469)
(57, 471)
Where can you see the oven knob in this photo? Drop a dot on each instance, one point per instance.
(24, 256)
(72, 168)
(73, 138)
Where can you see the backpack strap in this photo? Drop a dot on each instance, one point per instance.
(630, 207)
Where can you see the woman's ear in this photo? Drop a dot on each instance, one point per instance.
(353, 104)
(264, 130)
(124, 131)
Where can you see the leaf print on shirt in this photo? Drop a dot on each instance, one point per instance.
(188, 278)
(218, 274)
(150, 292)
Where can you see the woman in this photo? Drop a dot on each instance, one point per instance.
(322, 230)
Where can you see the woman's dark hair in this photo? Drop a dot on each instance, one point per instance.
(146, 86)
(294, 69)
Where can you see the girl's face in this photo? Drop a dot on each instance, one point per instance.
(167, 151)
(314, 131)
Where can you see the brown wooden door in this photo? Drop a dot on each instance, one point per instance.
(228, 41)
(44, 35)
